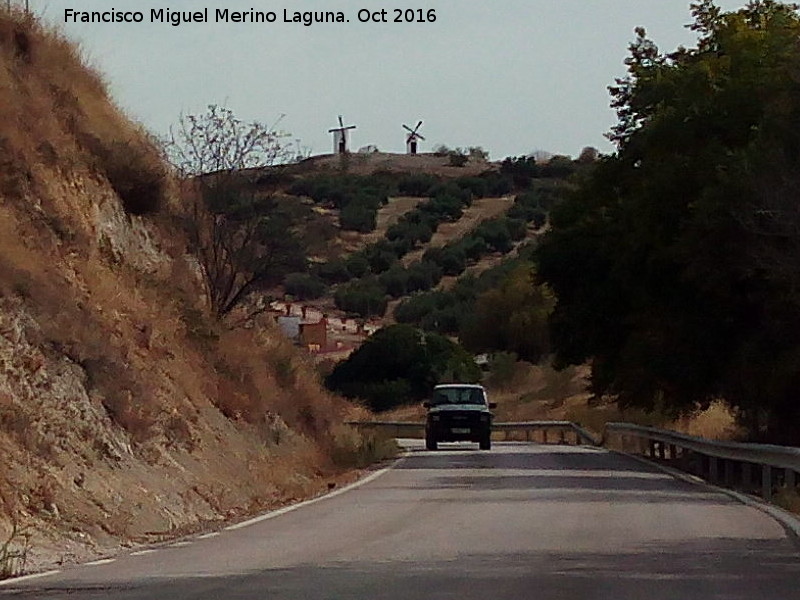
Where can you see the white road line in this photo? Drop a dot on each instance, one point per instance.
(29, 577)
(180, 545)
(97, 563)
(293, 507)
(208, 536)
(143, 552)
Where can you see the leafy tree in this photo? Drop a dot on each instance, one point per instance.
(451, 258)
(358, 217)
(474, 247)
(476, 186)
(395, 280)
(671, 261)
(400, 364)
(511, 317)
(418, 184)
(304, 286)
(357, 265)
(496, 235)
(559, 167)
(423, 275)
(364, 297)
(336, 271)
(380, 256)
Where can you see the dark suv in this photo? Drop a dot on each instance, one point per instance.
(459, 412)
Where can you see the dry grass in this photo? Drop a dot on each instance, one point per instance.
(352, 449)
(788, 500)
(717, 422)
(69, 120)
(536, 392)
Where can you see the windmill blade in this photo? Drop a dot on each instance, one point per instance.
(407, 128)
(419, 136)
(341, 123)
(417, 127)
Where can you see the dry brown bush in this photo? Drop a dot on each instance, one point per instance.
(56, 111)
(349, 448)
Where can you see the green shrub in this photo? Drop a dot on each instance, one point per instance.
(399, 365)
(351, 449)
(134, 170)
(304, 286)
(335, 271)
(395, 280)
(357, 265)
(419, 184)
(358, 217)
(457, 158)
(365, 297)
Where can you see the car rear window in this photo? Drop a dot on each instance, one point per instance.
(458, 396)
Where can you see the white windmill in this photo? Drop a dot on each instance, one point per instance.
(340, 137)
(413, 137)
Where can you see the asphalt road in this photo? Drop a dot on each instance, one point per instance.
(521, 521)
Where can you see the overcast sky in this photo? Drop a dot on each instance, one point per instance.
(512, 76)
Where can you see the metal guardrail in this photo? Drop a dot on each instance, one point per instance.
(565, 431)
(392, 428)
(759, 468)
(752, 468)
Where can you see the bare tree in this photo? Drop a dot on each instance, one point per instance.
(243, 242)
(217, 141)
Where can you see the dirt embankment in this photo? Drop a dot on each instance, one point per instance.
(126, 413)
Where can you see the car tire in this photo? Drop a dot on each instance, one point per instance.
(431, 443)
(486, 442)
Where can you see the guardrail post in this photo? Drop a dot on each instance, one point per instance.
(747, 476)
(766, 482)
(673, 452)
(729, 467)
(527, 434)
(652, 448)
(544, 436)
(685, 460)
(791, 480)
(662, 451)
(562, 437)
(713, 469)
